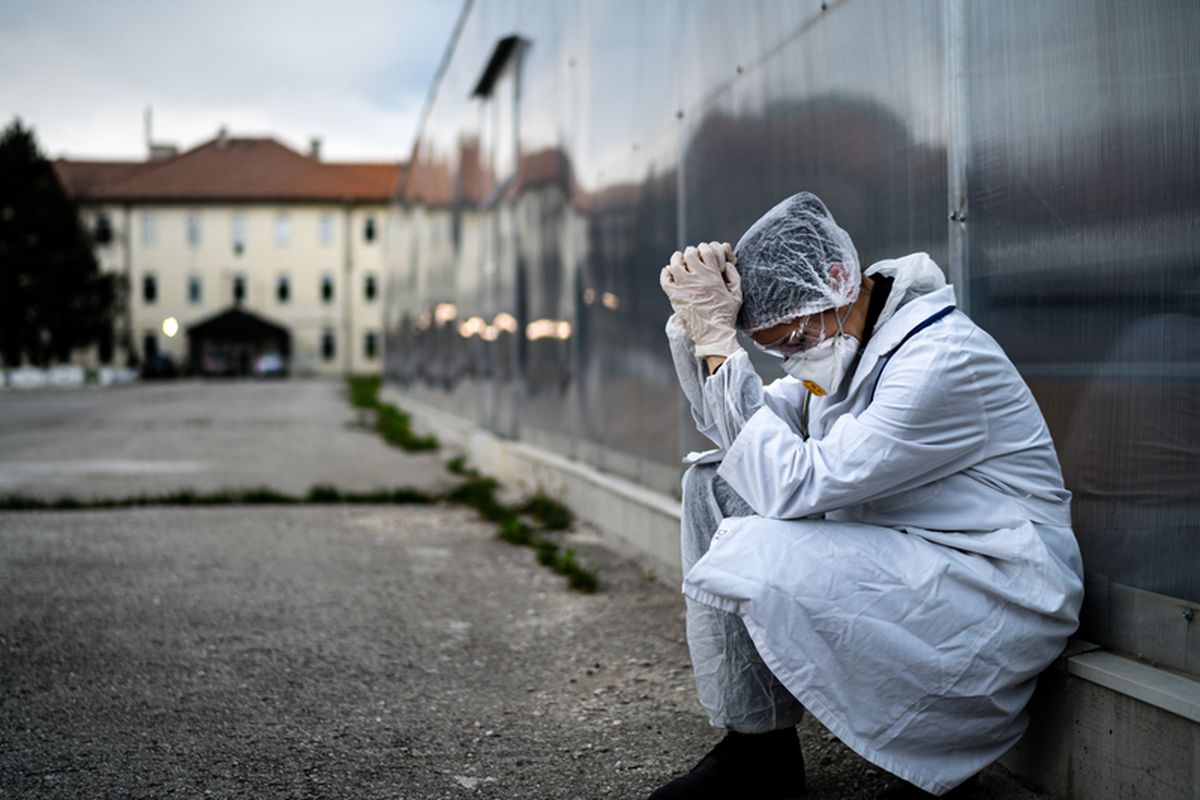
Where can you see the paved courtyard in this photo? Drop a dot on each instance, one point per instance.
(318, 651)
(204, 435)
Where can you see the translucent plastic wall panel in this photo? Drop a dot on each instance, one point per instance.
(1082, 158)
(562, 240)
(545, 214)
(847, 103)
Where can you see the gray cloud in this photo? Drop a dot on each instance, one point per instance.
(355, 74)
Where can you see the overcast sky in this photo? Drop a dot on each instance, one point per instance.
(354, 73)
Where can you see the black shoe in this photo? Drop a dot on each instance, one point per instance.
(762, 766)
(903, 790)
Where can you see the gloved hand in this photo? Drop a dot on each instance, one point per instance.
(705, 290)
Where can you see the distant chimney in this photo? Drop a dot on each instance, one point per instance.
(314, 148)
(161, 152)
(222, 138)
(156, 151)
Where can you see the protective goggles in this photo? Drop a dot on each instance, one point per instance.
(808, 333)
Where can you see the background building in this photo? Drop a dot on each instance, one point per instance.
(277, 254)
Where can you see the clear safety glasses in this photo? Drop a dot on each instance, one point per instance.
(808, 333)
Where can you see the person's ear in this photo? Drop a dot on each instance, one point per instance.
(839, 279)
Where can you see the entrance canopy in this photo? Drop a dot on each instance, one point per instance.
(232, 342)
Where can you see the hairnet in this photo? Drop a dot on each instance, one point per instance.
(784, 260)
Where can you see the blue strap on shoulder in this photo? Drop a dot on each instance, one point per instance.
(886, 357)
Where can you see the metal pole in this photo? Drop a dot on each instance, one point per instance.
(957, 139)
(347, 287)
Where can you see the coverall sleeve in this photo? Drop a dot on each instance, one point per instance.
(721, 403)
(926, 421)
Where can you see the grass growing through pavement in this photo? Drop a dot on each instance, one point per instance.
(479, 492)
(317, 495)
(391, 423)
(364, 389)
(552, 514)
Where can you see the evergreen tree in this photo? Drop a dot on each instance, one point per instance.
(53, 297)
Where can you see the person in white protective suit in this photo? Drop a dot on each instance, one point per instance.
(882, 537)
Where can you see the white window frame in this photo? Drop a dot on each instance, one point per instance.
(149, 229)
(194, 233)
(237, 229)
(283, 229)
(325, 230)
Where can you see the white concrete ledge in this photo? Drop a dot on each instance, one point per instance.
(1150, 685)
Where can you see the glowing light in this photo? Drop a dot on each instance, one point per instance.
(540, 329)
(505, 322)
(471, 327)
(589, 296)
(548, 329)
(444, 313)
(490, 333)
(170, 326)
(610, 301)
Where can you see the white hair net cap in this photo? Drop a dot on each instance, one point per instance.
(784, 261)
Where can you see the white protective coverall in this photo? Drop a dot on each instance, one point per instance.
(911, 567)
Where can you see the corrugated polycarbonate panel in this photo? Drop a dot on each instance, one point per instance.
(543, 200)
(1082, 148)
(868, 137)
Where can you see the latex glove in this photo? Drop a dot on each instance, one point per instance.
(705, 290)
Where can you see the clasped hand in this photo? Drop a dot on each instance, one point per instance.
(705, 291)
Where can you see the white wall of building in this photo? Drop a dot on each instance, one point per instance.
(304, 244)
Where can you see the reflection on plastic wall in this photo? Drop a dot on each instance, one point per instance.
(569, 148)
(1083, 168)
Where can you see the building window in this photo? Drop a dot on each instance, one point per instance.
(283, 230)
(328, 345)
(149, 229)
(195, 289)
(238, 233)
(369, 229)
(104, 231)
(239, 288)
(149, 345)
(149, 288)
(326, 288)
(370, 344)
(193, 230)
(325, 230)
(283, 289)
(369, 287)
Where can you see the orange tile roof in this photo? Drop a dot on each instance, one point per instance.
(231, 169)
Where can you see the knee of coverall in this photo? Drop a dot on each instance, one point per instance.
(697, 483)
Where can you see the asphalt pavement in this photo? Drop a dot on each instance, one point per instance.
(323, 651)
